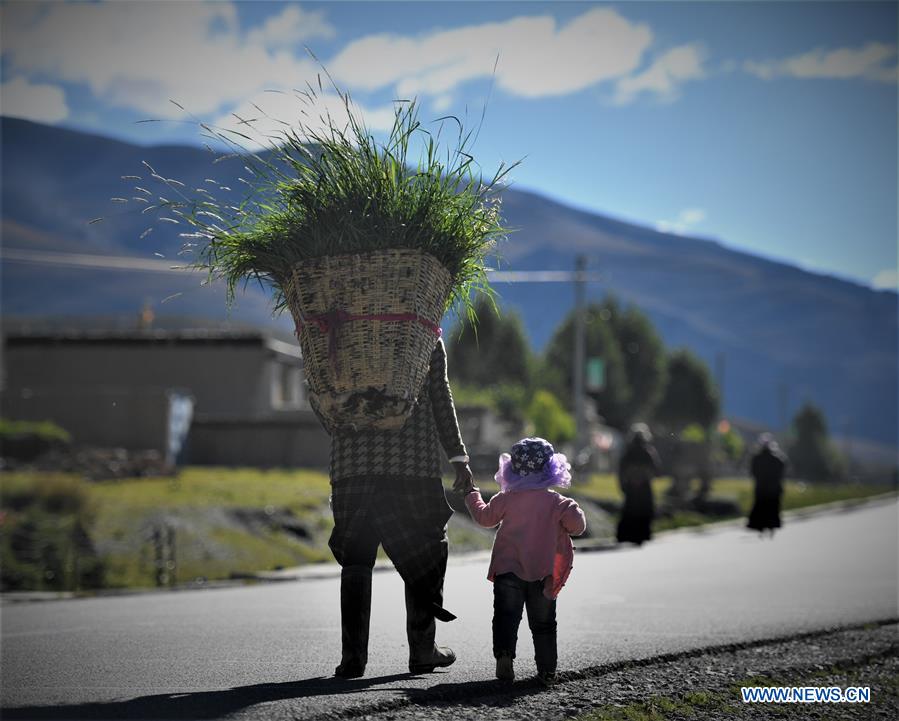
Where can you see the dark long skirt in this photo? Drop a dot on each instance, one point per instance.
(765, 513)
(635, 525)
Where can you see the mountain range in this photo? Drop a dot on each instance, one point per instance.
(776, 335)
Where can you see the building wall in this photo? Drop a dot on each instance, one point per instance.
(285, 440)
(249, 405)
(223, 377)
(136, 419)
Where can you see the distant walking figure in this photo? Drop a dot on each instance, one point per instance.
(532, 552)
(639, 464)
(767, 468)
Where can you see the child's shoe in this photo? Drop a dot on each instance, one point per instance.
(504, 669)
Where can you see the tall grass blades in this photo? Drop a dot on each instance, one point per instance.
(337, 190)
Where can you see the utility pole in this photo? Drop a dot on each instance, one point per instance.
(577, 385)
(720, 366)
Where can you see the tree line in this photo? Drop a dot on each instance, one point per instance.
(637, 380)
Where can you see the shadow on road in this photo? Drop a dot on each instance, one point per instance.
(203, 704)
(217, 704)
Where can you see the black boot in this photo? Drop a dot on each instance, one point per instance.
(355, 613)
(421, 628)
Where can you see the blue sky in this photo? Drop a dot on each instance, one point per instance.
(770, 126)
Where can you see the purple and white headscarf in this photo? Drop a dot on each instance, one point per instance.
(533, 463)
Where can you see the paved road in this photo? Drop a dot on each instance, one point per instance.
(268, 651)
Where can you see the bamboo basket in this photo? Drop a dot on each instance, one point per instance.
(367, 325)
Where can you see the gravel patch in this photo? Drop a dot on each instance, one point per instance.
(701, 685)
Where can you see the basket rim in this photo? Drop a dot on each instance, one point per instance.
(377, 251)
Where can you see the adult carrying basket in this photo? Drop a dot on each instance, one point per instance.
(367, 325)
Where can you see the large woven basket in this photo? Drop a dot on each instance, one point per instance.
(367, 324)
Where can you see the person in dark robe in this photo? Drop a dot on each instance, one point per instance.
(767, 466)
(639, 464)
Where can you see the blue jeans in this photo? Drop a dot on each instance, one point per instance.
(510, 596)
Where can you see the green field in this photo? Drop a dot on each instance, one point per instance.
(205, 507)
(60, 532)
(797, 494)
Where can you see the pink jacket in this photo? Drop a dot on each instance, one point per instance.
(534, 537)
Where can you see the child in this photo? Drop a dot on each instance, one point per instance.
(532, 553)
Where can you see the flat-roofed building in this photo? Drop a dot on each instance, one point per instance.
(241, 391)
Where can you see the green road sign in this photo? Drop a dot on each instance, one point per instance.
(596, 375)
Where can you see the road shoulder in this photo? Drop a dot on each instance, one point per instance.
(697, 685)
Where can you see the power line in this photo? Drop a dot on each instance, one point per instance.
(88, 260)
(153, 265)
(541, 276)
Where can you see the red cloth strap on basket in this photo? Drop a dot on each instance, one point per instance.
(331, 321)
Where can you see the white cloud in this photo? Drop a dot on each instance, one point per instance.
(664, 76)
(40, 102)
(728, 66)
(887, 279)
(692, 216)
(139, 55)
(874, 61)
(537, 57)
(289, 29)
(684, 223)
(442, 103)
(302, 115)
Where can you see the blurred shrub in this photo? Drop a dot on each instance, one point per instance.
(812, 455)
(509, 402)
(26, 440)
(54, 493)
(550, 419)
(731, 445)
(693, 433)
(44, 544)
(47, 430)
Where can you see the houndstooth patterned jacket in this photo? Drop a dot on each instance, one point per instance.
(413, 450)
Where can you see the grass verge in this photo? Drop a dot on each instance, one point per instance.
(727, 702)
(61, 532)
(797, 494)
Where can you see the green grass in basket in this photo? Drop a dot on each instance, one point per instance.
(338, 191)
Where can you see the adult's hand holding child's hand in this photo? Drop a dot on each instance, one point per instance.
(464, 480)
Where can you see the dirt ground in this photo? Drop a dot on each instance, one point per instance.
(694, 686)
